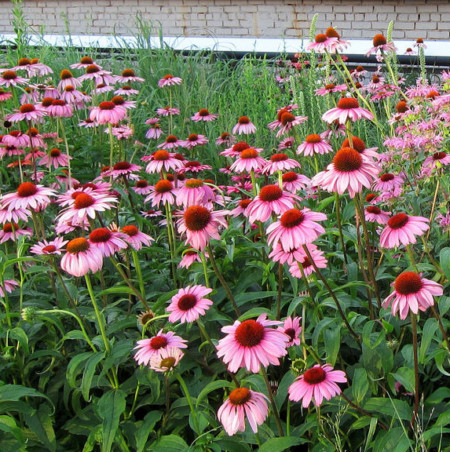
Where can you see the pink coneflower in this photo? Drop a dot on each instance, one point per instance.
(380, 44)
(172, 142)
(350, 171)
(5, 95)
(271, 199)
(410, 51)
(88, 123)
(35, 139)
(319, 383)
(244, 126)
(33, 67)
(194, 192)
(83, 64)
(388, 182)
(169, 80)
(168, 111)
(81, 257)
(27, 112)
(126, 90)
(10, 78)
(29, 96)
(163, 161)
(108, 242)
(189, 257)
(128, 76)
(189, 304)
(151, 213)
(60, 108)
(55, 158)
(437, 160)
(154, 132)
(412, 293)
(142, 187)
(121, 132)
(10, 151)
(71, 95)
(194, 167)
(359, 145)
(288, 121)
(194, 140)
(13, 216)
(87, 205)
(200, 224)
(241, 208)
(16, 138)
(252, 343)
(295, 227)
(149, 347)
(45, 247)
(248, 160)
(166, 359)
(8, 286)
(287, 143)
(347, 109)
(334, 130)
(99, 75)
(279, 162)
(204, 115)
(236, 149)
(12, 231)
(28, 196)
(318, 258)
(331, 88)
(374, 214)
(124, 169)
(161, 193)
(67, 79)
(107, 113)
(314, 144)
(292, 328)
(403, 229)
(293, 182)
(419, 43)
(225, 138)
(322, 43)
(121, 102)
(242, 403)
(135, 238)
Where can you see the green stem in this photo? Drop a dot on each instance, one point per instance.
(205, 269)
(172, 242)
(137, 266)
(189, 401)
(272, 401)
(416, 370)
(66, 143)
(280, 290)
(111, 145)
(222, 280)
(339, 222)
(100, 319)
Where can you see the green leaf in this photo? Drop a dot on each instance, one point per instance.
(232, 444)
(40, 423)
(172, 443)
(397, 409)
(371, 340)
(110, 407)
(251, 296)
(430, 327)
(8, 424)
(281, 444)
(405, 376)
(332, 340)
(72, 368)
(393, 441)
(13, 393)
(324, 203)
(117, 289)
(219, 384)
(438, 396)
(360, 385)
(444, 257)
(20, 336)
(283, 387)
(145, 428)
(88, 374)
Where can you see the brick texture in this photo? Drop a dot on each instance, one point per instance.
(427, 19)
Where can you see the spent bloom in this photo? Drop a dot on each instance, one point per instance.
(319, 383)
(252, 344)
(166, 359)
(189, 304)
(243, 403)
(412, 293)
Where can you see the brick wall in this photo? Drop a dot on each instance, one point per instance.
(428, 19)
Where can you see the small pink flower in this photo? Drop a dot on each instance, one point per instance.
(293, 182)
(161, 193)
(172, 142)
(81, 257)
(194, 192)
(319, 383)
(194, 167)
(271, 199)
(28, 196)
(124, 169)
(314, 144)
(403, 229)
(331, 88)
(45, 247)
(163, 161)
(437, 160)
(108, 242)
(242, 403)
(154, 132)
(244, 126)
(55, 158)
(150, 347)
(189, 257)
(99, 75)
(380, 44)
(374, 214)
(167, 111)
(295, 227)
(128, 76)
(135, 238)
(292, 328)
(225, 138)
(288, 121)
(60, 109)
(10, 78)
(204, 115)
(107, 113)
(279, 162)
(8, 286)
(189, 304)
(27, 112)
(142, 187)
(200, 225)
(126, 90)
(412, 293)
(12, 231)
(252, 344)
(249, 160)
(347, 109)
(166, 359)
(305, 262)
(169, 80)
(67, 79)
(194, 140)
